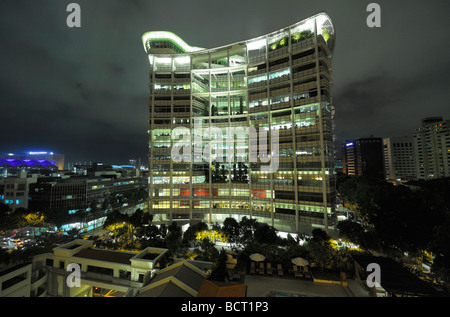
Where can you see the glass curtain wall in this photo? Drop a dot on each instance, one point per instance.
(280, 82)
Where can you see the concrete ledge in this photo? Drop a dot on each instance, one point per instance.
(326, 281)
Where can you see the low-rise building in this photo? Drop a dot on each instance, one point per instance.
(78, 269)
(15, 190)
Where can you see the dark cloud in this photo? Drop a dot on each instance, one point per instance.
(84, 92)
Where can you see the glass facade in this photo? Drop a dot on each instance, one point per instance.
(280, 82)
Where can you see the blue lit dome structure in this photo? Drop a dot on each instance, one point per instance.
(14, 162)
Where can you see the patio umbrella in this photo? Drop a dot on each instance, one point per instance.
(299, 261)
(257, 257)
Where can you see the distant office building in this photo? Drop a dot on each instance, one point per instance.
(399, 161)
(363, 156)
(32, 161)
(432, 148)
(349, 158)
(58, 194)
(78, 193)
(14, 190)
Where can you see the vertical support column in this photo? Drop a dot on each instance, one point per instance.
(322, 144)
(294, 135)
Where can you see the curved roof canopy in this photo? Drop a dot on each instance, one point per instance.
(160, 39)
(168, 42)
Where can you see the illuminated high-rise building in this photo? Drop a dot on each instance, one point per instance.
(432, 148)
(399, 161)
(279, 85)
(363, 156)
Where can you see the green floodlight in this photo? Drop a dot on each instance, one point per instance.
(161, 36)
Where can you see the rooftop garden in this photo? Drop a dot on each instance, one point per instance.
(295, 38)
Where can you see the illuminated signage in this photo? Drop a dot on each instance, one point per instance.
(40, 153)
(37, 153)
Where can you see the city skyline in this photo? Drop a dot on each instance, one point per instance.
(91, 83)
(202, 142)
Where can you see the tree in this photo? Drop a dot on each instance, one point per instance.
(231, 229)
(365, 238)
(319, 247)
(219, 271)
(211, 235)
(4, 209)
(151, 233)
(115, 216)
(189, 235)
(207, 176)
(135, 195)
(8, 220)
(266, 234)
(241, 105)
(173, 238)
(140, 218)
(319, 235)
(216, 172)
(247, 228)
(244, 172)
(398, 219)
(351, 231)
(241, 172)
(5, 256)
(32, 219)
(118, 223)
(105, 204)
(208, 251)
(223, 173)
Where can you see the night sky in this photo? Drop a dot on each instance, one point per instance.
(84, 91)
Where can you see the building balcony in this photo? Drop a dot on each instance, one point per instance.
(302, 45)
(38, 287)
(278, 52)
(258, 84)
(259, 109)
(15, 281)
(281, 105)
(303, 60)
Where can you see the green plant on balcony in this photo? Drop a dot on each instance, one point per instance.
(278, 44)
(240, 173)
(213, 110)
(219, 173)
(300, 36)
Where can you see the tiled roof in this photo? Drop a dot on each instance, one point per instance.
(221, 289)
(178, 280)
(106, 255)
(169, 289)
(182, 273)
